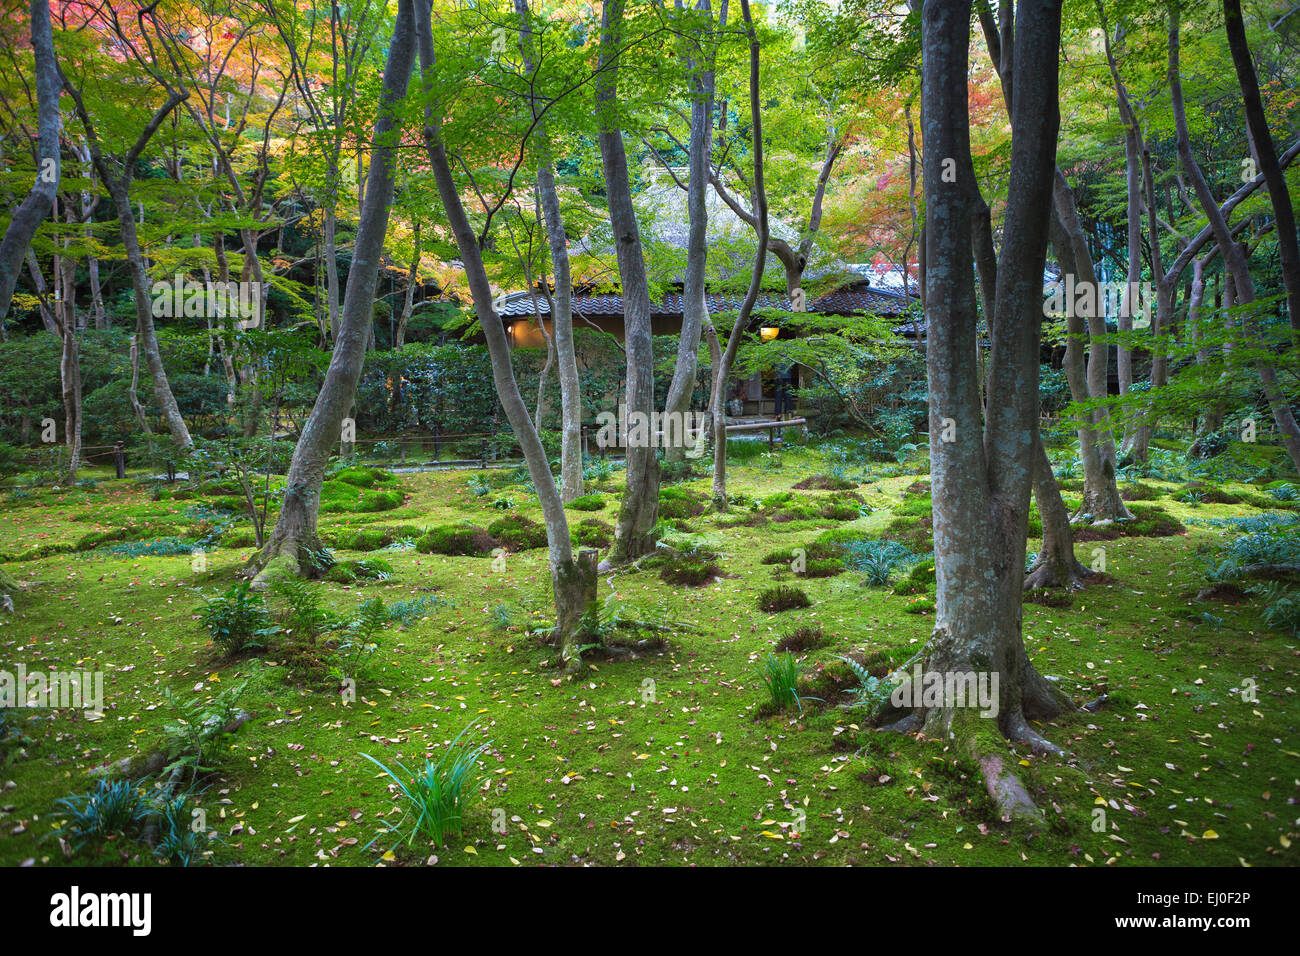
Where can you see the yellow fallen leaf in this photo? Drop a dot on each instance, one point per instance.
(388, 856)
(1209, 835)
(471, 851)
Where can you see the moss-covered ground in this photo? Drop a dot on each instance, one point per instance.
(670, 757)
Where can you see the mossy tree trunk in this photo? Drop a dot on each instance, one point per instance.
(294, 537)
(981, 481)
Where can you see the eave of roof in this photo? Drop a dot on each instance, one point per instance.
(524, 305)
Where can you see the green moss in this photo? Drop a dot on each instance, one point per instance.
(518, 533)
(455, 539)
(588, 503)
(1133, 639)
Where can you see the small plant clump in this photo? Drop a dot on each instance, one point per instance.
(783, 598)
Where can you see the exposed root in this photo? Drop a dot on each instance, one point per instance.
(1055, 574)
(1008, 793)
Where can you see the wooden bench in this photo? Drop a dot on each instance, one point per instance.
(771, 427)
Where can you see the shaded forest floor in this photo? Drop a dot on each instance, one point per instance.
(670, 756)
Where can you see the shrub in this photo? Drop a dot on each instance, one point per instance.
(453, 539)
(805, 638)
(178, 842)
(1281, 608)
(237, 619)
(918, 506)
(111, 808)
(919, 580)
(433, 796)
(1138, 492)
(593, 533)
(373, 501)
(916, 534)
(361, 477)
(689, 571)
(587, 503)
(518, 533)
(679, 503)
(876, 560)
(780, 675)
(783, 598)
(360, 638)
(870, 693)
(239, 539)
(1284, 492)
(364, 539)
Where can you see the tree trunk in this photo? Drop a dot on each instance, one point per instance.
(639, 509)
(573, 581)
(28, 217)
(1163, 319)
(981, 481)
(1101, 499)
(288, 550)
(1056, 565)
(561, 302)
(722, 368)
(119, 189)
(562, 328)
(1133, 184)
(694, 308)
(1288, 246)
(332, 265)
(1234, 257)
(408, 301)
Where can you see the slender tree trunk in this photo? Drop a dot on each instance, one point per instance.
(573, 582)
(639, 510)
(408, 301)
(1133, 184)
(1101, 498)
(119, 189)
(1163, 319)
(289, 547)
(332, 266)
(1234, 257)
(1056, 565)
(562, 301)
(562, 326)
(722, 368)
(1288, 246)
(694, 308)
(33, 210)
(1212, 419)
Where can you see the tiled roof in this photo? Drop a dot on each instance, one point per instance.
(875, 301)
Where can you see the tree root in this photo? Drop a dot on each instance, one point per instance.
(1055, 574)
(146, 765)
